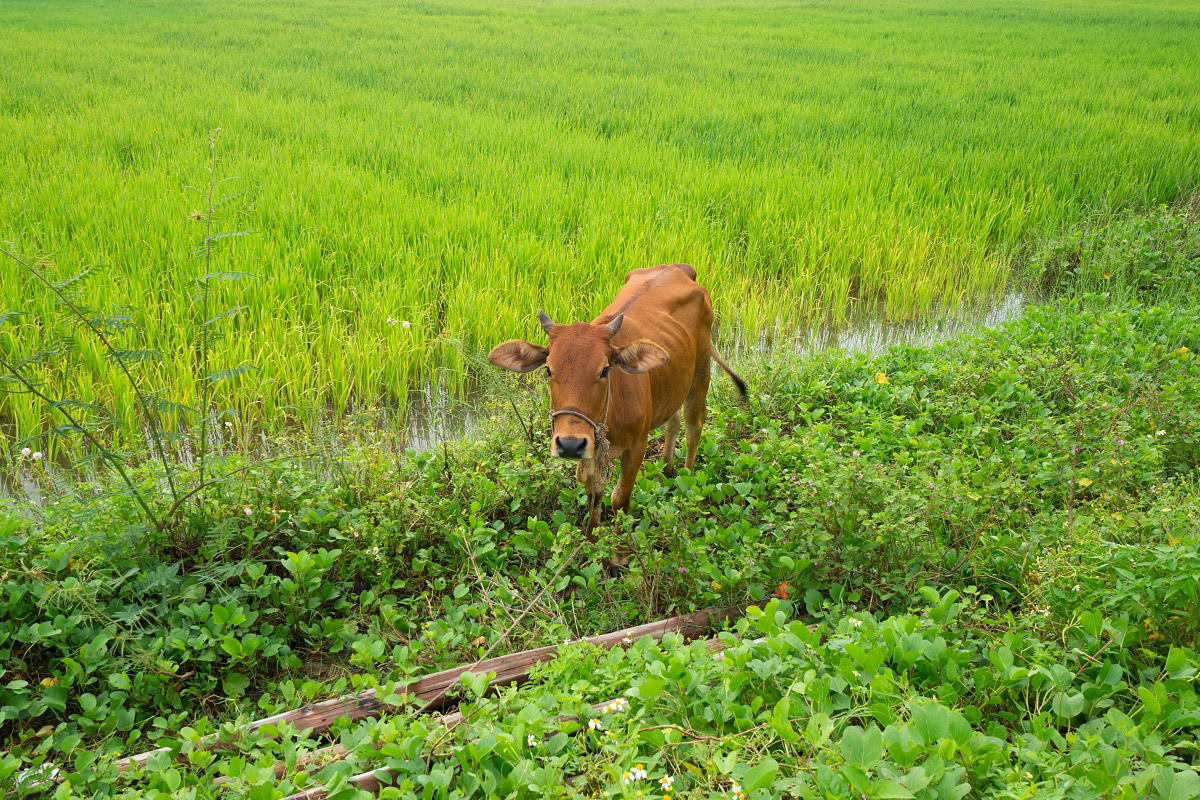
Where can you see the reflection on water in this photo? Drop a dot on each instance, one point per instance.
(872, 335)
(18, 483)
(436, 414)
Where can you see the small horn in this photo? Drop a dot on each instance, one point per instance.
(615, 325)
(547, 323)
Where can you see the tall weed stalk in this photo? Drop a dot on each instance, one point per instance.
(88, 418)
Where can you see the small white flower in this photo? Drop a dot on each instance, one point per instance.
(37, 456)
(639, 773)
(626, 639)
(1160, 433)
(406, 324)
(391, 320)
(719, 655)
(26, 452)
(616, 706)
(593, 724)
(665, 782)
(532, 740)
(247, 511)
(856, 622)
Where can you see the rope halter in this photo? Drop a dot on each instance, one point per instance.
(603, 465)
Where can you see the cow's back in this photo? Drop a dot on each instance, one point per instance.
(652, 294)
(665, 305)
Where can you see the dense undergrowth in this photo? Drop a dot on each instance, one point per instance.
(994, 537)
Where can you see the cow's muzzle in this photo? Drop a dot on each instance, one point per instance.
(572, 447)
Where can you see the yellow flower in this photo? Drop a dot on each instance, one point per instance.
(1183, 351)
(1085, 482)
(880, 378)
(49, 682)
(716, 585)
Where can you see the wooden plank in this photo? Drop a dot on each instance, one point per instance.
(336, 752)
(432, 688)
(370, 781)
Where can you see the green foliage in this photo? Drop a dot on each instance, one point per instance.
(899, 707)
(1153, 257)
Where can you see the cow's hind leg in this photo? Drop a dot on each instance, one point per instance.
(695, 410)
(672, 433)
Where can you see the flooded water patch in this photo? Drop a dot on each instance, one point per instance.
(870, 335)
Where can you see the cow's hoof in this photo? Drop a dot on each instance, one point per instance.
(614, 570)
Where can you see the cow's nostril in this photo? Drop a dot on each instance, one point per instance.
(570, 446)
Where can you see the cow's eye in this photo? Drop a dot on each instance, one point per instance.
(604, 372)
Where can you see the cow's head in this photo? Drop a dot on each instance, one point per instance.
(577, 362)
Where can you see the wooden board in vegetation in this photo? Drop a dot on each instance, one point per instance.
(431, 689)
(372, 780)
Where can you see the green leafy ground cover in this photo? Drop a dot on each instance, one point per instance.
(995, 538)
(456, 164)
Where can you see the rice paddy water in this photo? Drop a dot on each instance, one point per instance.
(421, 177)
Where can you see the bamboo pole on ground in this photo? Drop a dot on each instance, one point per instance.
(511, 668)
(373, 780)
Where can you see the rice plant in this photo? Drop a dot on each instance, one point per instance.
(424, 176)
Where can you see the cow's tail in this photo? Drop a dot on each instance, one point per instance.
(741, 384)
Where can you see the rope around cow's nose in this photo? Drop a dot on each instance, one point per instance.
(603, 468)
(599, 432)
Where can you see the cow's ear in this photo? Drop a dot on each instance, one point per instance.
(640, 356)
(518, 356)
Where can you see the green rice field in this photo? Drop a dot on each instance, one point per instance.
(422, 177)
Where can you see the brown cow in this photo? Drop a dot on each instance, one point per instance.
(657, 334)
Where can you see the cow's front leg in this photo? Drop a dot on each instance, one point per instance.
(631, 462)
(586, 473)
